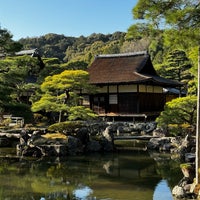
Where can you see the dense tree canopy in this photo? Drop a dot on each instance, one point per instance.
(176, 66)
(72, 48)
(179, 113)
(169, 26)
(16, 78)
(60, 94)
(173, 30)
(168, 29)
(7, 45)
(179, 13)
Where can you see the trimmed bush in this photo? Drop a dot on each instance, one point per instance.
(65, 127)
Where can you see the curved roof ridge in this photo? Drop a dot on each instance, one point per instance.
(122, 54)
(142, 64)
(143, 75)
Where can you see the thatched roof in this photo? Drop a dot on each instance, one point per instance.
(126, 69)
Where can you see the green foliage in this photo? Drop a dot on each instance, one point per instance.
(186, 166)
(20, 110)
(176, 24)
(181, 32)
(49, 103)
(49, 70)
(179, 20)
(7, 45)
(112, 47)
(81, 113)
(60, 93)
(67, 127)
(174, 12)
(180, 129)
(179, 113)
(50, 61)
(141, 30)
(72, 48)
(181, 39)
(77, 65)
(193, 56)
(176, 66)
(68, 79)
(15, 74)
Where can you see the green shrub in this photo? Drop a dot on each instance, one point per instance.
(185, 166)
(179, 116)
(65, 127)
(20, 110)
(81, 113)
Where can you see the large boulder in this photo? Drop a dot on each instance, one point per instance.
(95, 136)
(186, 186)
(74, 146)
(174, 145)
(93, 146)
(163, 144)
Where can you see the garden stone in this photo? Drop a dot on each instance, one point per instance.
(94, 146)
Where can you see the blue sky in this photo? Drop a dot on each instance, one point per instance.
(33, 18)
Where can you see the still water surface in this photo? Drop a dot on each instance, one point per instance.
(126, 175)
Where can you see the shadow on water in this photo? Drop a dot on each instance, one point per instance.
(124, 175)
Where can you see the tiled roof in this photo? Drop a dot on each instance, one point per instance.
(125, 68)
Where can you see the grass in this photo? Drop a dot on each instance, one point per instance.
(54, 136)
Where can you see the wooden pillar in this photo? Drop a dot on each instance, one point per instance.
(198, 124)
(118, 99)
(138, 98)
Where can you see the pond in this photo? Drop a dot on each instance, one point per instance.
(124, 175)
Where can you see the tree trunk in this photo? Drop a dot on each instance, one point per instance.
(60, 117)
(198, 124)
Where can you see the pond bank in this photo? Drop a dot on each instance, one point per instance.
(102, 137)
(87, 137)
(97, 136)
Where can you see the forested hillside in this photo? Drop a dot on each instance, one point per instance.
(71, 49)
(75, 48)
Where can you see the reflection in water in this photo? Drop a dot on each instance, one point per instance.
(83, 192)
(120, 176)
(107, 166)
(162, 190)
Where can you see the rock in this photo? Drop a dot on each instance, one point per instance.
(108, 166)
(39, 141)
(4, 142)
(166, 147)
(91, 136)
(8, 139)
(149, 127)
(83, 135)
(108, 134)
(190, 157)
(74, 145)
(107, 145)
(158, 132)
(174, 145)
(178, 192)
(186, 186)
(93, 146)
(55, 150)
(162, 144)
(33, 151)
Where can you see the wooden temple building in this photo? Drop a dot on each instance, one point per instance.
(128, 86)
